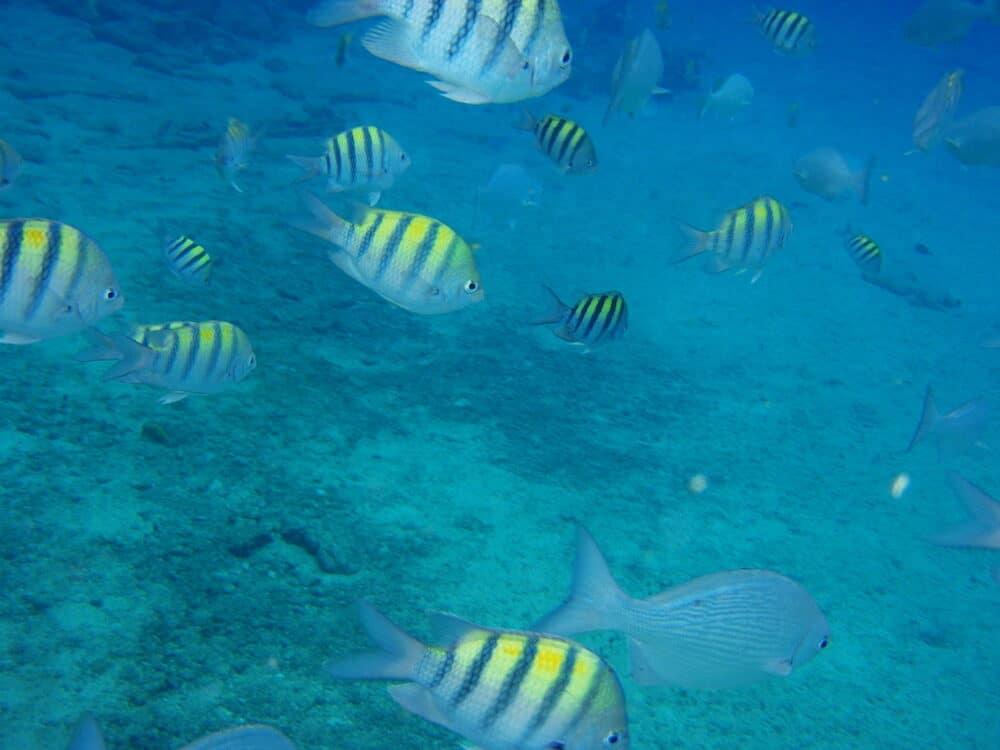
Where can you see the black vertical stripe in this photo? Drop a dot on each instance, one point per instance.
(749, 229)
(369, 152)
(338, 147)
(465, 30)
(329, 166)
(10, 251)
(584, 708)
(576, 149)
(50, 259)
(433, 16)
(443, 669)
(173, 343)
(730, 235)
(542, 128)
(552, 695)
(595, 314)
(511, 10)
(772, 18)
(795, 31)
(769, 227)
(574, 129)
(213, 357)
(781, 29)
(475, 673)
(382, 151)
(192, 352)
(611, 318)
(369, 235)
(558, 126)
(392, 246)
(512, 682)
(352, 158)
(426, 246)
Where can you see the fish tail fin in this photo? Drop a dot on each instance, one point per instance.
(87, 735)
(595, 601)
(339, 12)
(983, 523)
(555, 313)
(131, 355)
(929, 420)
(527, 121)
(396, 658)
(311, 165)
(697, 241)
(865, 180)
(324, 222)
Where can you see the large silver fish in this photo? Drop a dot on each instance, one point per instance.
(730, 96)
(720, 631)
(955, 431)
(636, 75)
(826, 173)
(976, 139)
(480, 50)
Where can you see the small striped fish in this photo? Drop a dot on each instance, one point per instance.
(594, 319)
(188, 260)
(564, 142)
(233, 153)
(54, 280)
(865, 252)
(789, 32)
(182, 357)
(481, 50)
(499, 689)
(363, 158)
(746, 238)
(10, 165)
(413, 261)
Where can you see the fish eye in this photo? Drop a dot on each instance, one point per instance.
(612, 739)
(252, 361)
(556, 745)
(567, 56)
(471, 286)
(110, 294)
(824, 643)
(402, 157)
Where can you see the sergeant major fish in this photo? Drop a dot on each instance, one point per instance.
(188, 260)
(594, 319)
(864, 251)
(499, 689)
(481, 50)
(723, 630)
(233, 154)
(54, 280)
(183, 357)
(362, 158)
(788, 32)
(413, 261)
(567, 144)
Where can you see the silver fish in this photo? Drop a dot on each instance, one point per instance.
(720, 631)
(954, 431)
(826, 173)
(982, 529)
(730, 96)
(636, 75)
(976, 139)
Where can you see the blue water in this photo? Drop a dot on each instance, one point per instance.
(178, 569)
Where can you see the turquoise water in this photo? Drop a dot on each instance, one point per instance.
(178, 569)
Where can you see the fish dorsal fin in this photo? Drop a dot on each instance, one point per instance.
(391, 40)
(449, 629)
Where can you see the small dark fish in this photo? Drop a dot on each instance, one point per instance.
(343, 44)
(922, 249)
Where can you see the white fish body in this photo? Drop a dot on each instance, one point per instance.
(636, 75)
(954, 431)
(976, 139)
(246, 737)
(982, 529)
(723, 630)
(733, 95)
(826, 173)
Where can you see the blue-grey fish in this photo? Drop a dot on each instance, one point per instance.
(10, 165)
(730, 96)
(54, 280)
(182, 357)
(500, 689)
(720, 631)
(975, 141)
(362, 158)
(188, 260)
(471, 46)
(955, 431)
(594, 319)
(826, 173)
(636, 75)
(233, 154)
(982, 529)
(87, 735)
(413, 261)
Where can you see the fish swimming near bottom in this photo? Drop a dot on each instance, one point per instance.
(975, 141)
(594, 319)
(565, 142)
(864, 251)
(982, 529)
(723, 630)
(954, 431)
(826, 173)
(88, 736)
(183, 357)
(636, 76)
(730, 96)
(500, 689)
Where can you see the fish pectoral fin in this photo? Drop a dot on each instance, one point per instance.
(418, 700)
(643, 664)
(779, 667)
(17, 339)
(458, 94)
(373, 197)
(390, 40)
(173, 397)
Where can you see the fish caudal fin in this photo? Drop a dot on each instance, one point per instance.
(311, 165)
(527, 121)
(929, 420)
(131, 355)
(595, 601)
(697, 241)
(982, 529)
(864, 179)
(555, 313)
(324, 223)
(87, 735)
(398, 656)
(339, 12)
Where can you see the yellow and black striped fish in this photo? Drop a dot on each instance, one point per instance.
(183, 357)
(564, 142)
(233, 153)
(188, 260)
(789, 32)
(865, 252)
(499, 689)
(54, 280)
(413, 261)
(594, 319)
(10, 164)
(362, 158)
(746, 237)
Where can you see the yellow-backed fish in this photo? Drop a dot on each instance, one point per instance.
(789, 32)
(499, 689)
(746, 237)
(564, 142)
(481, 50)
(10, 165)
(413, 261)
(935, 112)
(865, 253)
(233, 153)
(183, 357)
(54, 280)
(596, 318)
(362, 158)
(188, 260)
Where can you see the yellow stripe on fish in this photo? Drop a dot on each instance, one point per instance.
(788, 31)
(497, 688)
(54, 280)
(865, 252)
(188, 260)
(594, 319)
(413, 261)
(565, 142)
